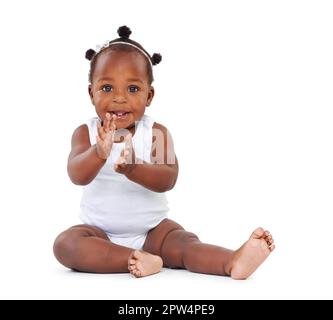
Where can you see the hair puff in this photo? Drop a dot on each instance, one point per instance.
(90, 54)
(156, 58)
(124, 32)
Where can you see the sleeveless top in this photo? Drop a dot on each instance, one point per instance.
(114, 203)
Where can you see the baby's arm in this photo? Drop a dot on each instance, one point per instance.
(161, 175)
(85, 160)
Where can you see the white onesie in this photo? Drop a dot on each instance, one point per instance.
(123, 209)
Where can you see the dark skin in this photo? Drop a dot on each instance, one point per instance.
(120, 91)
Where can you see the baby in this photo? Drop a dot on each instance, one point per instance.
(126, 163)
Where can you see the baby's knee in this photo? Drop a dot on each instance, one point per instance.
(175, 245)
(186, 237)
(64, 248)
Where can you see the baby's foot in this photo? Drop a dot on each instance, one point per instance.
(251, 254)
(141, 263)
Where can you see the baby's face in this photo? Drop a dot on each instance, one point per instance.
(120, 86)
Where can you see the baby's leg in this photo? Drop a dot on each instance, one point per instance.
(181, 249)
(86, 248)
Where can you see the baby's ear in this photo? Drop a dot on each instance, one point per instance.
(91, 94)
(150, 96)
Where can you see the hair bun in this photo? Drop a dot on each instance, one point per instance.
(124, 32)
(90, 54)
(156, 58)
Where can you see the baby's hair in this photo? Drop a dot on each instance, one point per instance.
(123, 43)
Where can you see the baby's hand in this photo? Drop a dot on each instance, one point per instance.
(126, 162)
(104, 140)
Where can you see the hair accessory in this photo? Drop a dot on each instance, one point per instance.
(124, 32)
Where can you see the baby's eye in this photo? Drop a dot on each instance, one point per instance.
(133, 89)
(107, 88)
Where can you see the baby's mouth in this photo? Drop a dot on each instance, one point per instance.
(119, 114)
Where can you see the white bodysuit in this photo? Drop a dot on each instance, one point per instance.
(123, 209)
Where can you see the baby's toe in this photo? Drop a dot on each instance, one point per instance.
(131, 267)
(133, 274)
(258, 233)
(133, 271)
(271, 247)
(269, 239)
(137, 273)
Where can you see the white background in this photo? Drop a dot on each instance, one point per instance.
(245, 87)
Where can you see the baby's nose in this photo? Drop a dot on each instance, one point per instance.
(119, 98)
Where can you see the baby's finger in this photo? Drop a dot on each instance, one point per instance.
(100, 131)
(126, 152)
(110, 135)
(119, 166)
(107, 122)
(128, 141)
(113, 122)
(122, 162)
(113, 129)
(129, 149)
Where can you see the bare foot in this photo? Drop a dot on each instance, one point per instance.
(251, 254)
(141, 263)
